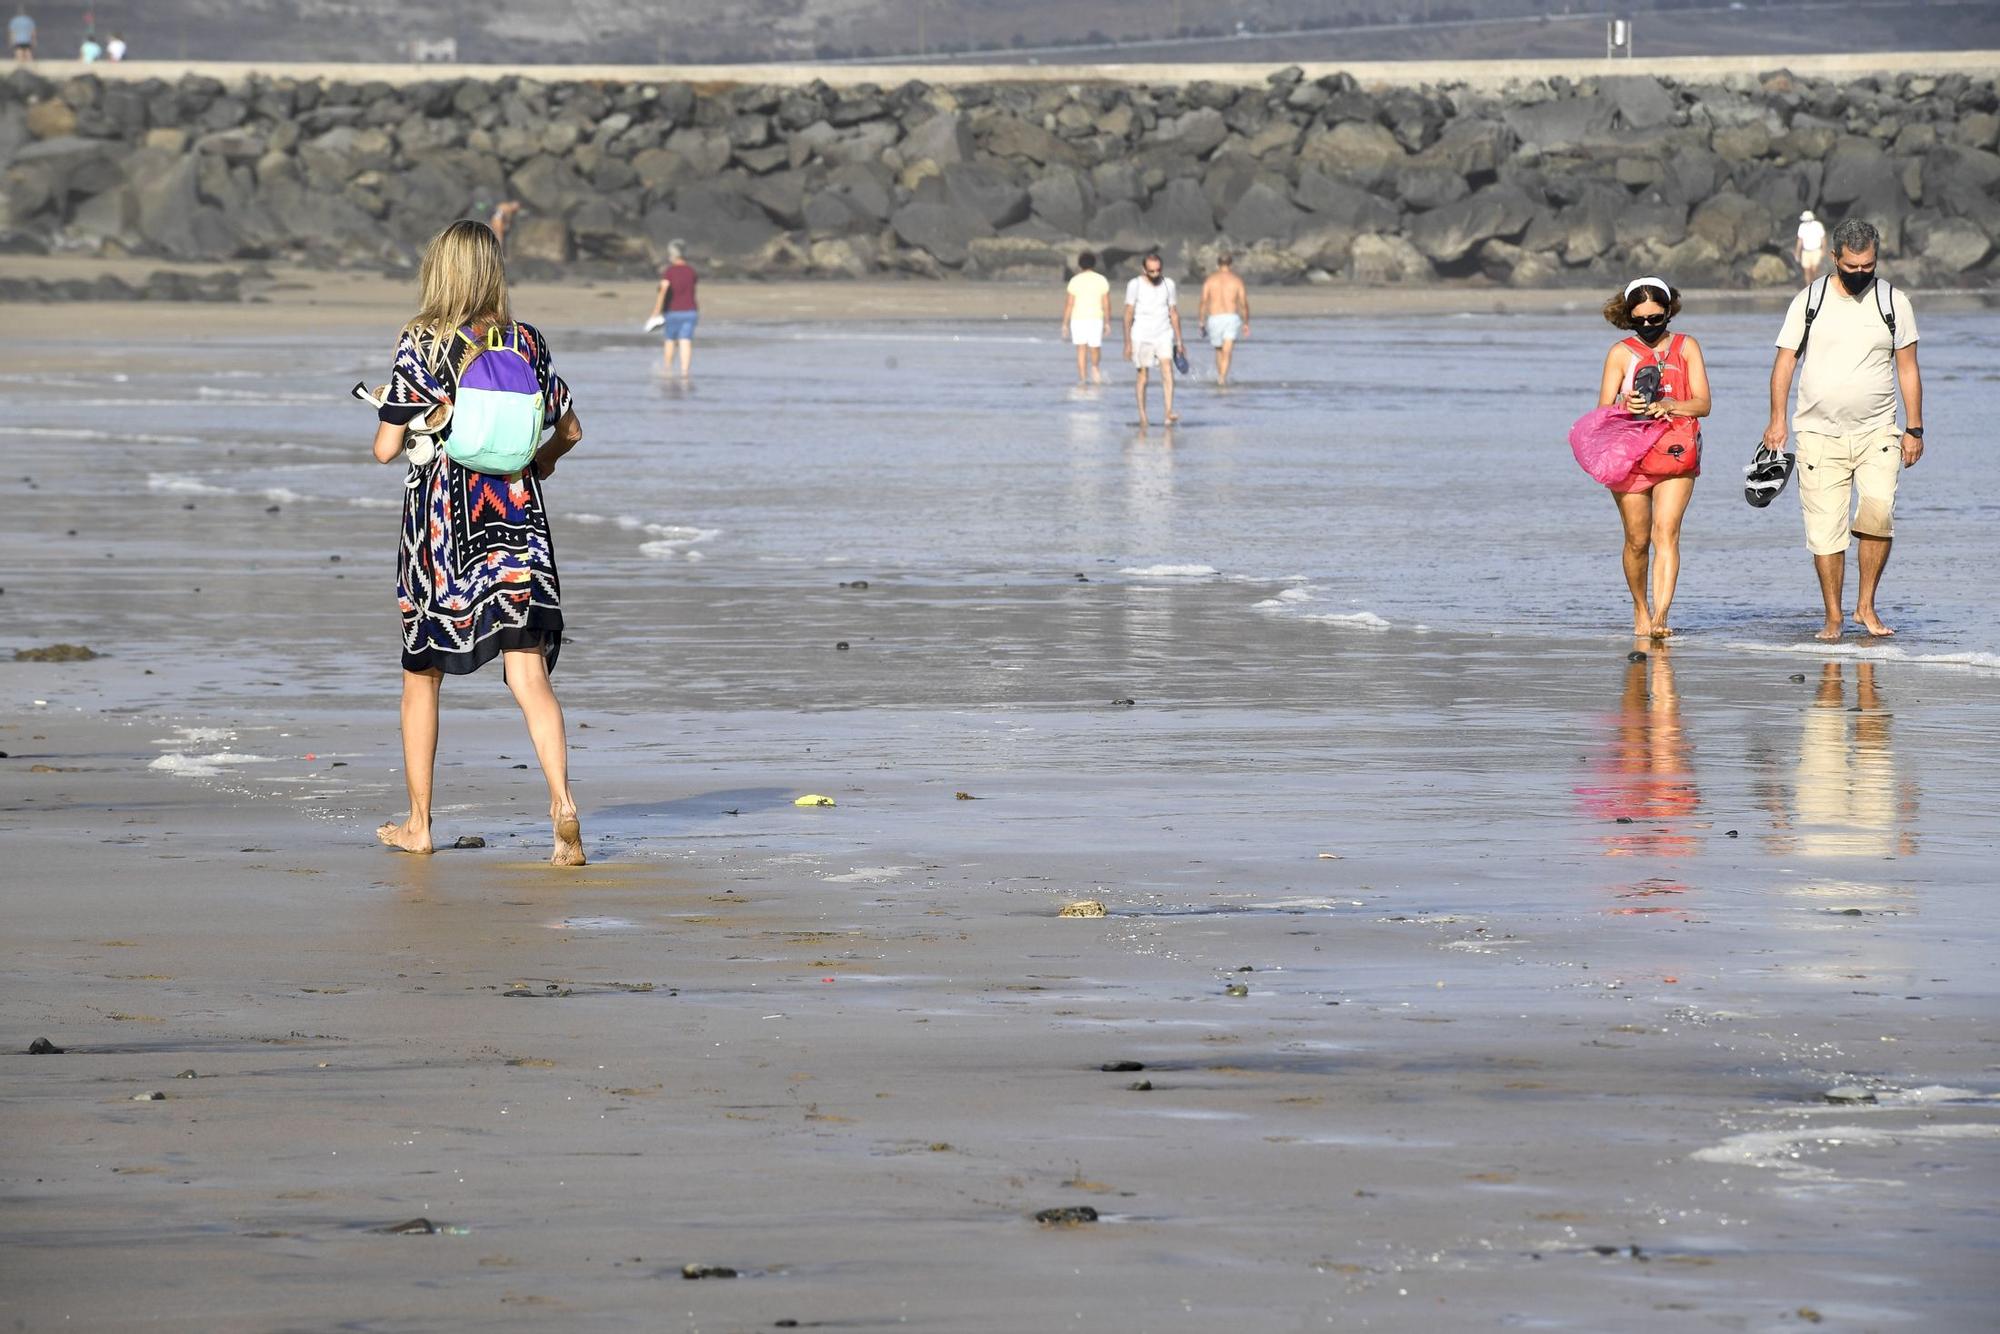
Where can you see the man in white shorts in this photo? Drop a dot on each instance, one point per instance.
(1810, 247)
(1153, 329)
(1859, 349)
(1086, 310)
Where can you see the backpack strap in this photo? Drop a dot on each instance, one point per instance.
(1885, 302)
(1815, 298)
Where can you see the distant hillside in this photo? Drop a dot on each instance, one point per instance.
(642, 31)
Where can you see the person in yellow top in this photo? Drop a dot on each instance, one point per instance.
(1086, 310)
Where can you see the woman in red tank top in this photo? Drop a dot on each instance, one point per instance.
(1653, 499)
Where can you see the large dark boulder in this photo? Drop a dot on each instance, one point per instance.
(1181, 212)
(1350, 206)
(1261, 213)
(1060, 198)
(712, 217)
(943, 230)
(986, 192)
(1561, 125)
(1448, 233)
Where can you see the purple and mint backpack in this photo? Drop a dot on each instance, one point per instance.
(496, 417)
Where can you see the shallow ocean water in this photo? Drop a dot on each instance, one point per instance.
(1375, 471)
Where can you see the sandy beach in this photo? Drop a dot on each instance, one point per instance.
(1459, 972)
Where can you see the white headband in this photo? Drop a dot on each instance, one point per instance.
(1650, 280)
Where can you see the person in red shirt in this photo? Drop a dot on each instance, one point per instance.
(676, 310)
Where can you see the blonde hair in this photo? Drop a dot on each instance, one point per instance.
(462, 281)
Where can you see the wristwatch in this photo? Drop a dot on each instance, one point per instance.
(1916, 431)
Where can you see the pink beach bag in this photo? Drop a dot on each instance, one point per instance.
(1609, 441)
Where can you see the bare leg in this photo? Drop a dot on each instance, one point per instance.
(1670, 502)
(528, 678)
(1874, 558)
(1832, 571)
(1222, 357)
(1082, 363)
(1635, 512)
(1097, 365)
(686, 346)
(420, 745)
(667, 357)
(1167, 390)
(1142, 396)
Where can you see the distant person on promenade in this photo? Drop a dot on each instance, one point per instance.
(1810, 247)
(115, 48)
(1153, 329)
(502, 219)
(1858, 339)
(1086, 314)
(21, 36)
(91, 51)
(1225, 313)
(475, 568)
(675, 310)
(1657, 374)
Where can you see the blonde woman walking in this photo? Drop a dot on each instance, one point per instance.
(476, 571)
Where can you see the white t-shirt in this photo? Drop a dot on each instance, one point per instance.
(1812, 235)
(1150, 303)
(1848, 383)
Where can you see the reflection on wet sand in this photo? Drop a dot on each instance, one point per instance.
(1846, 799)
(1642, 784)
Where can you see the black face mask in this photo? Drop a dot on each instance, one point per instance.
(1650, 334)
(1856, 282)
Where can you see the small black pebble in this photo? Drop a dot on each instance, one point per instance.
(187, 1074)
(1798, 678)
(271, 509)
(43, 1047)
(1121, 1067)
(707, 1271)
(469, 841)
(1730, 834)
(523, 766)
(1624, 819)
(1142, 1086)
(3, 754)
(1124, 703)
(415, 1227)
(786, 1323)
(338, 764)
(841, 644)
(334, 559)
(1246, 968)
(1635, 656)
(1083, 578)
(1067, 1215)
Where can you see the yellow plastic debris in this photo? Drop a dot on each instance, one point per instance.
(1082, 908)
(813, 799)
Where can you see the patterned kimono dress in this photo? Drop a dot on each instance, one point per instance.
(476, 570)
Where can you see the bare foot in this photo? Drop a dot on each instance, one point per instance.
(569, 841)
(1173, 417)
(1872, 623)
(1829, 632)
(406, 835)
(1642, 625)
(1660, 632)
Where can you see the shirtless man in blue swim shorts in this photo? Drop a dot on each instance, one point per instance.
(1224, 313)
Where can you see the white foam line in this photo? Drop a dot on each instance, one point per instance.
(184, 765)
(1870, 652)
(1170, 571)
(1781, 1151)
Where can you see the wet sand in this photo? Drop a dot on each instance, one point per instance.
(1547, 959)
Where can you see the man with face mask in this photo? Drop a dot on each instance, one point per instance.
(1858, 340)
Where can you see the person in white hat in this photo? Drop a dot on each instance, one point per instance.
(1810, 249)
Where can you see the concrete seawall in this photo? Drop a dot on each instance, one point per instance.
(1529, 174)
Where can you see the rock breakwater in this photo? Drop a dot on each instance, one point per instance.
(1550, 183)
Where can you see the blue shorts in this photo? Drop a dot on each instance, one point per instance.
(680, 325)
